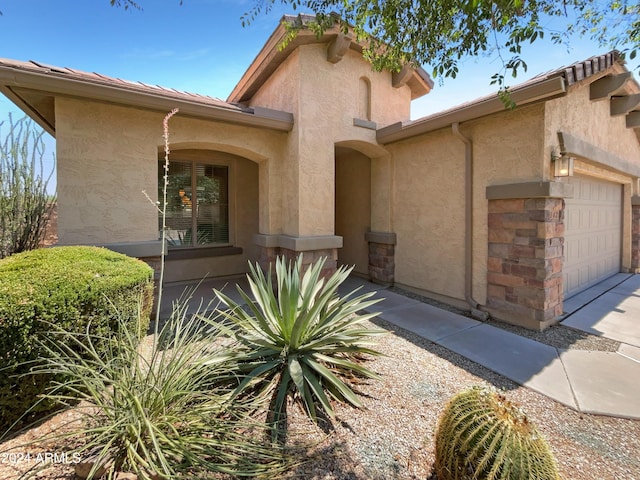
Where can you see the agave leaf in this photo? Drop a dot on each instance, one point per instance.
(346, 343)
(299, 328)
(279, 406)
(268, 346)
(338, 319)
(262, 289)
(348, 365)
(295, 370)
(315, 321)
(288, 297)
(312, 380)
(298, 299)
(257, 323)
(360, 303)
(335, 280)
(330, 377)
(298, 376)
(311, 278)
(257, 374)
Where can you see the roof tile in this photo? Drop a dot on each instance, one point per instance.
(100, 79)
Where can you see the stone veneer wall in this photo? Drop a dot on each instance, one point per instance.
(155, 263)
(268, 256)
(382, 263)
(526, 238)
(382, 257)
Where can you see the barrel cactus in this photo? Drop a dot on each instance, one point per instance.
(483, 436)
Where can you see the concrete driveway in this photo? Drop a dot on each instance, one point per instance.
(600, 382)
(611, 309)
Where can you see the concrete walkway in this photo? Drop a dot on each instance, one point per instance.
(604, 383)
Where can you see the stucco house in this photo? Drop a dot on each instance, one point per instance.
(501, 211)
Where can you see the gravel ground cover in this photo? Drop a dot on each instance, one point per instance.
(392, 437)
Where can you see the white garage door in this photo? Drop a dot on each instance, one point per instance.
(593, 226)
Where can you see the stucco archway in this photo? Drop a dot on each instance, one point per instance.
(353, 207)
(237, 150)
(210, 234)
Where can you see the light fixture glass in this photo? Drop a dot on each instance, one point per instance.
(563, 166)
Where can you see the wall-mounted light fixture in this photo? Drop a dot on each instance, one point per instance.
(563, 165)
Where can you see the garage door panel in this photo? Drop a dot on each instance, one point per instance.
(593, 226)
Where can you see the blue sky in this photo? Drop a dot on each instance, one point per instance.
(201, 46)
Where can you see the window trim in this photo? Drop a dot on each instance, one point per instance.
(215, 158)
(186, 253)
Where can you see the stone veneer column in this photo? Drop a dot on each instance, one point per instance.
(635, 234)
(524, 267)
(154, 262)
(382, 263)
(311, 248)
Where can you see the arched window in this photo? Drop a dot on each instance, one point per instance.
(364, 99)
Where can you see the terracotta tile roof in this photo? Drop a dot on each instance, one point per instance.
(103, 80)
(544, 86)
(581, 70)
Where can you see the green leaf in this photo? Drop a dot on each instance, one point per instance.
(284, 329)
(345, 392)
(295, 370)
(317, 390)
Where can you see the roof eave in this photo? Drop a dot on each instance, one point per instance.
(542, 90)
(33, 113)
(272, 55)
(10, 79)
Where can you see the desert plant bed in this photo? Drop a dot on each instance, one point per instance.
(393, 436)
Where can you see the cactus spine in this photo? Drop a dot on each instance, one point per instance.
(483, 436)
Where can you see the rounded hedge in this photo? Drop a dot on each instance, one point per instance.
(73, 288)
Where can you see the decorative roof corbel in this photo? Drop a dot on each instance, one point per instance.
(633, 120)
(607, 86)
(338, 47)
(401, 78)
(625, 104)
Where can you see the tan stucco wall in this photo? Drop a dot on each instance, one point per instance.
(507, 148)
(591, 122)
(428, 213)
(428, 200)
(324, 100)
(106, 156)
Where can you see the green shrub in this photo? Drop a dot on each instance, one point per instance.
(74, 288)
(483, 436)
(161, 411)
(304, 339)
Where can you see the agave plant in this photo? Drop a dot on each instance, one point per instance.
(300, 338)
(162, 412)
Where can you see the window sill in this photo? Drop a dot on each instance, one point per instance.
(202, 252)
